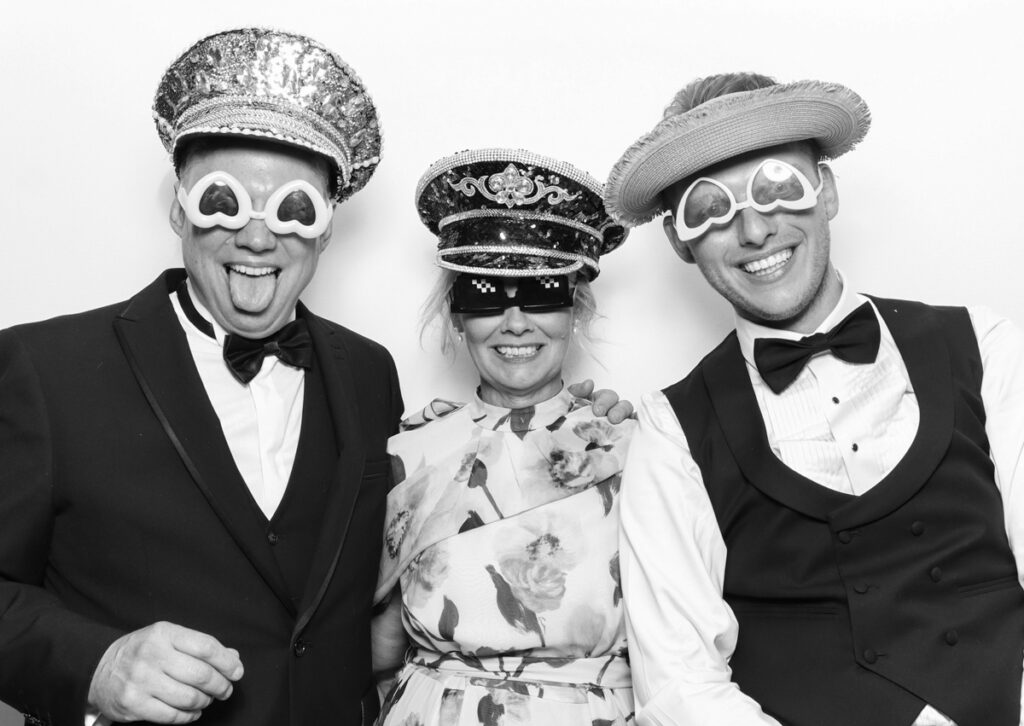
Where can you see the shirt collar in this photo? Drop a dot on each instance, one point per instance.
(218, 331)
(747, 332)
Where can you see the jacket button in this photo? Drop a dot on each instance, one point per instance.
(300, 648)
(917, 529)
(870, 656)
(935, 573)
(272, 538)
(860, 588)
(952, 637)
(845, 537)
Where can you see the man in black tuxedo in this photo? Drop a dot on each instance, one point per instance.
(192, 482)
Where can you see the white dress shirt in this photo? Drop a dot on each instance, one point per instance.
(681, 631)
(261, 421)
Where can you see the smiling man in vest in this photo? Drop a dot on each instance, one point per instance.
(821, 522)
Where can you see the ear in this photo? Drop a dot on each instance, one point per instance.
(457, 323)
(668, 223)
(177, 214)
(325, 238)
(829, 191)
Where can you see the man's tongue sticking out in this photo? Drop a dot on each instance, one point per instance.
(252, 290)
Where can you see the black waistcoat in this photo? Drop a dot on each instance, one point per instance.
(293, 530)
(859, 610)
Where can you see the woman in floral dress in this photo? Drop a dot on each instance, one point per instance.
(500, 566)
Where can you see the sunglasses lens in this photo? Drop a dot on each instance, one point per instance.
(546, 292)
(777, 182)
(297, 207)
(218, 198)
(705, 201)
(478, 295)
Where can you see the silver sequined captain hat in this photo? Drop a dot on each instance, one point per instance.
(275, 85)
(682, 144)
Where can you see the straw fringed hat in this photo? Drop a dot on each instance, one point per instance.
(680, 145)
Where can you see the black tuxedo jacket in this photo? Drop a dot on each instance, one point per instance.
(120, 504)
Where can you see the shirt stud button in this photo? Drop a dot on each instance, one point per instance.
(870, 656)
(855, 447)
(845, 537)
(272, 538)
(917, 529)
(835, 400)
(935, 573)
(860, 588)
(952, 637)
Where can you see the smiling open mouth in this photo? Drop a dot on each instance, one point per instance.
(252, 288)
(517, 352)
(769, 264)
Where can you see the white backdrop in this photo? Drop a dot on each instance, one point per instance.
(931, 201)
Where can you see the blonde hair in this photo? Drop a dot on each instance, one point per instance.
(436, 313)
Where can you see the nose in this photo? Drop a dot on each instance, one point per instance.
(256, 236)
(515, 321)
(755, 228)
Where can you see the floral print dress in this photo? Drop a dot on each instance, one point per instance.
(502, 531)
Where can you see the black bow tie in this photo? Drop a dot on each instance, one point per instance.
(291, 344)
(854, 339)
(244, 356)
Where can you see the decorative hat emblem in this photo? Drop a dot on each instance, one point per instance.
(512, 187)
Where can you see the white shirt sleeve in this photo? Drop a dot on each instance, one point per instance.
(681, 631)
(1002, 391)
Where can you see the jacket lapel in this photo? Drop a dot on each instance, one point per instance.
(157, 351)
(333, 358)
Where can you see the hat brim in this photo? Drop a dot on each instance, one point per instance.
(263, 121)
(833, 116)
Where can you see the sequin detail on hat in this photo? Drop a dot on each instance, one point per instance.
(519, 215)
(512, 261)
(275, 85)
(512, 187)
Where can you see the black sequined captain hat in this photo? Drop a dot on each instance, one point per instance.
(279, 86)
(513, 213)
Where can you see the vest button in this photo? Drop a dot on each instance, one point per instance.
(917, 529)
(272, 538)
(870, 656)
(952, 637)
(935, 573)
(860, 588)
(299, 648)
(845, 537)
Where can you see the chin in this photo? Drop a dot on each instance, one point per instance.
(256, 326)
